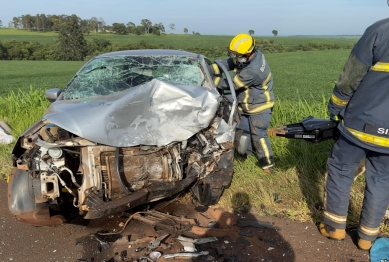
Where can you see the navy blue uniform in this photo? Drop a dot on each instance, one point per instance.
(361, 99)
(254, 90)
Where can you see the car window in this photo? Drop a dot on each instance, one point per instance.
(108, 75)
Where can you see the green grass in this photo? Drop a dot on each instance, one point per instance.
(297, 75)
(176, 41)
(20, 75)
(306, 75)
(303, 82)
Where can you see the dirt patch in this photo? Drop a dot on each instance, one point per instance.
(240, 237)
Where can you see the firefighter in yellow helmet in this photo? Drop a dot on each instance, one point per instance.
(254, 89)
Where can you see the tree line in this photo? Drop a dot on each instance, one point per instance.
(72, 46)
(42, 22)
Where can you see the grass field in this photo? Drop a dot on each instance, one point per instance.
(20, 75)
(303, 82)
(297, 75)
(176, 41)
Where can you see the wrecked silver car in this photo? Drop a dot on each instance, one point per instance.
(130, 128)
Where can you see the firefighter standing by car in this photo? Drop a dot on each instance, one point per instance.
(253, 84)
(360, 102)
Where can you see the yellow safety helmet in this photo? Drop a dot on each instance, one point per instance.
(242, 44)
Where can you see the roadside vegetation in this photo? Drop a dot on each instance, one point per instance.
(49, 46)
(303, 82)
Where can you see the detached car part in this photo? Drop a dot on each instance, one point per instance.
(131, 127)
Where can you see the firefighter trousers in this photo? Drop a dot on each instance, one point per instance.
(256, 126)
(342, 162)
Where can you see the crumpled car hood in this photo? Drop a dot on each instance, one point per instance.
(155, 113)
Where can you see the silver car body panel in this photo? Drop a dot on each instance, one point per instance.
(155, 113)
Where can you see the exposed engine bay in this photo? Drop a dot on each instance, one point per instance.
(103, 179)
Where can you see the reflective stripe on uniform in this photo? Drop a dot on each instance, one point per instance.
(380, 67)
(337, 101)
(255, 110)
(238, 82)
(217, 81)
(335, 218)
(370, 231)
(372, 139)
(245, 104)
(267, 80)
(216, 70)
(265, 149)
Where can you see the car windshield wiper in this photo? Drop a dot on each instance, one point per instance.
(96, 68)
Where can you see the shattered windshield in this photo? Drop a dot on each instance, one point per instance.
(108, 75)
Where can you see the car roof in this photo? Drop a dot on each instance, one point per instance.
(144, 52)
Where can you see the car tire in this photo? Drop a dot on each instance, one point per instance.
(205, 194)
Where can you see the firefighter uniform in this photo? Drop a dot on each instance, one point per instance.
(254, 89)
(361, 100)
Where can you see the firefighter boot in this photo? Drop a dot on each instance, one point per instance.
(266, 164)
(364, 244)
(331, 232)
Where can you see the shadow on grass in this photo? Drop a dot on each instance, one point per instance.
(309, 161)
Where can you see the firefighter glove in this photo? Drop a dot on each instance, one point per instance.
(334, 118)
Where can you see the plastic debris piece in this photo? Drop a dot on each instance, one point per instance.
(202, 253)
(198, 240)
(155, 255)
(5, 138)
(156, 242)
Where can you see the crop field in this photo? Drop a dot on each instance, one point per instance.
(305, 75)
(174, 41)
(303, 82)
(20, 75)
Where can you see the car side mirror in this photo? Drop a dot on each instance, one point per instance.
(53, 94)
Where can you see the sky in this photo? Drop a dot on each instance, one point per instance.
(218, 17)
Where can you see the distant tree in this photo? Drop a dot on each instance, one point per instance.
(119, 28)
(129, 27)
(185, 30)
(137, 30)
(94, 24)
(146, 23)
(155, 30)
(130, 24)
(71, 44)
(161, 27)
(85, 26)
(251, 32)
(100, 24)
(172, 27)
(16, 22)
(107, 28)
(1, 23)
(275, 32)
